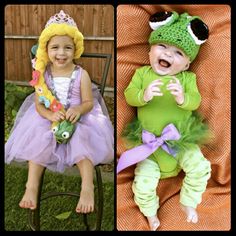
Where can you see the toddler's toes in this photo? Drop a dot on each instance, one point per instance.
(79, 208)
(22, 204)
(29, 199)
(32, 206)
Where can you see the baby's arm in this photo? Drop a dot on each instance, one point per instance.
(73, 113)
(134, 92)
(46, 113)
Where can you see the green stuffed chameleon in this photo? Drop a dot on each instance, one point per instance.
(63, 131)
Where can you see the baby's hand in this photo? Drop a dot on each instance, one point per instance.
(57, 116)
(152, 90)
(73, 114)
(176, 89)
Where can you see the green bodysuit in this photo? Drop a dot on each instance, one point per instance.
(154, 116)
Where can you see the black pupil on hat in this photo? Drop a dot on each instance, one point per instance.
(199, 29)
(160, 16)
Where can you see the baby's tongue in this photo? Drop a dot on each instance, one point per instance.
(164, 63)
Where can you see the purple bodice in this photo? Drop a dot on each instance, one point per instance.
(73, 96)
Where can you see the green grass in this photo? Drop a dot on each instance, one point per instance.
(16, 217)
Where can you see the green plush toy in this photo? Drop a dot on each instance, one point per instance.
(63, 131)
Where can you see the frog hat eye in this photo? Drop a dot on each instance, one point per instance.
(161, 18)
(65, 135)
(198, 30)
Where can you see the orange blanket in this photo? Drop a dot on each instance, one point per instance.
(212, 67)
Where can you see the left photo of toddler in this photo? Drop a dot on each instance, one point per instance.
(59, 117)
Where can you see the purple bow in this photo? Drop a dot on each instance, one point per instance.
(150, 144)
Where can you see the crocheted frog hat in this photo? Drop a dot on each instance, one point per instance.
(59, 24)
(183, 31)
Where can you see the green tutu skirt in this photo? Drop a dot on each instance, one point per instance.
(192, 131)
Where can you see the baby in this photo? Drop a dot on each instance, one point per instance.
(166, 134)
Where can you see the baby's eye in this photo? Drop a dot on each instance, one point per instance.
(54, 47)
(54, 129)
(179, 53)
(65, 135)
(68, 47)
(162, 45)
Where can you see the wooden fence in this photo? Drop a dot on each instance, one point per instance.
(24, 23)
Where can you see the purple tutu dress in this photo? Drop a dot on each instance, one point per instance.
(32, 139)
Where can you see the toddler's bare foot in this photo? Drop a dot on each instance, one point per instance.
(29, 199)
(191, 213)
(153, 222)
(86, 200)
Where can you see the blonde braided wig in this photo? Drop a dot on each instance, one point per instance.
(42, 59)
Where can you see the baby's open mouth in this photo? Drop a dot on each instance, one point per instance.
(164, 63)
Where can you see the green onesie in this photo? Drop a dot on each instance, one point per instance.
(154, 116)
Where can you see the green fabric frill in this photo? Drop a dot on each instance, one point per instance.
(192, 131)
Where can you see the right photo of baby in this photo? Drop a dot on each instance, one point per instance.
(173, 170)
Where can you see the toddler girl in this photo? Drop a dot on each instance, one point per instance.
(65, 122)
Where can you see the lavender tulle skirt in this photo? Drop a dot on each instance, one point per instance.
(31, 138)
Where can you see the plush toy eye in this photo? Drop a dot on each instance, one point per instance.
(198, 30)
(160, 18)
(65, 135)
(54, 129)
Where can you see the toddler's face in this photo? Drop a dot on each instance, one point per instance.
(61, 51)
(168, 60)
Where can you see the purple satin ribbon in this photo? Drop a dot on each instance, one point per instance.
(150, 144)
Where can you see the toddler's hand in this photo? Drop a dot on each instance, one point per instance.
(57, 116)
(152, 90)
(73, 114)
(176, 89)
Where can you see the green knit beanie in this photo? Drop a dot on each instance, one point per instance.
(183, 31)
